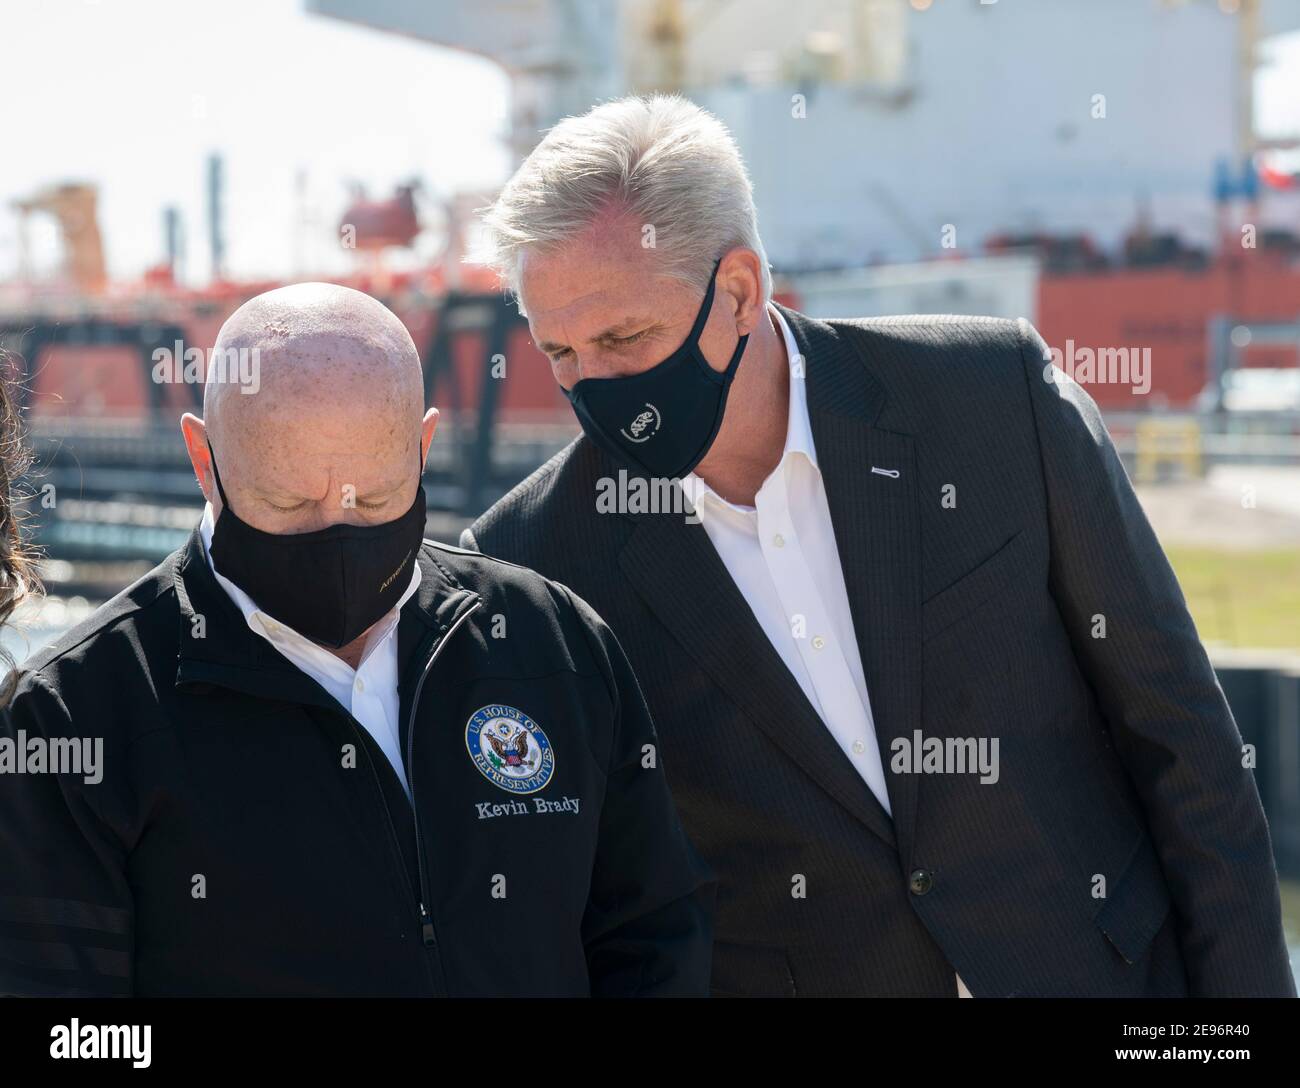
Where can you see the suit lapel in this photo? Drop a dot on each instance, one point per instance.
(877, 534)
(676, 570)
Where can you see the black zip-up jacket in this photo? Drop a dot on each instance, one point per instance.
(248, 837)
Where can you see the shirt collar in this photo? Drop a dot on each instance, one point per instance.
(261, 623)
(798, 431)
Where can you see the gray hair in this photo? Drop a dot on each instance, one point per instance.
(671, 164)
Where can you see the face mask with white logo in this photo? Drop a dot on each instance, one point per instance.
(661, 422)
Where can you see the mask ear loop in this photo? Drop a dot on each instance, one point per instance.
(706, 307)
(734, 365)
(729, 373)
(217, 476)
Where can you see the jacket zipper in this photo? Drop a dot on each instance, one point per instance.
(427, 930)
(392, 827)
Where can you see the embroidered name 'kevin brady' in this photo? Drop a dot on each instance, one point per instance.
(486, 810)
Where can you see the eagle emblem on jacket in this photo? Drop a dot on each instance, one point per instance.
(513, 752)
(509, 748)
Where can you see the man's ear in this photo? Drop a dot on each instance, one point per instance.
(427, 427)
(742, 278)
(195, 433)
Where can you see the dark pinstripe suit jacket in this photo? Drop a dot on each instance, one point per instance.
(1120, 764)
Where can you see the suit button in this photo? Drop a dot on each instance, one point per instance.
(920, 882)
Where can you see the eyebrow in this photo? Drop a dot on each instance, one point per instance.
(628, 323)
(369, 495)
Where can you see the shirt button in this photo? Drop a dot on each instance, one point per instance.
(858, 747)
(779, 540)
(361, 684)
(818, 643)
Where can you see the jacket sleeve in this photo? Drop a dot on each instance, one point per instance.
(1169, 721)
(65, 904)
(648, 928)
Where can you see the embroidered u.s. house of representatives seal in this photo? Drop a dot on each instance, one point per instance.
(509, 748)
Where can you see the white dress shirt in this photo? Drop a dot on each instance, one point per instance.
(781, 554)
(368, 692)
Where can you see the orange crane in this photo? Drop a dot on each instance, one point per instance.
(73, 205)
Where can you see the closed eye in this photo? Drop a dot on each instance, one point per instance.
(613, 341)
(298, 506)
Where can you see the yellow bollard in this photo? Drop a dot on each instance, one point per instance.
(1168, 440)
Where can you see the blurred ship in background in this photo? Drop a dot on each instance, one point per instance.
(908, 156)
(1101, 188)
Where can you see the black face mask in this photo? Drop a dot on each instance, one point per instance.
(330, 584)
(662, 421)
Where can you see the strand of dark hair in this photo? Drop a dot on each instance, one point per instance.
(19, 578)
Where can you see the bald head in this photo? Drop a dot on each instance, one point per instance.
(317, 343)
(331, 428)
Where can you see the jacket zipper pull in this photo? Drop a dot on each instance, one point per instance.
(426, 927)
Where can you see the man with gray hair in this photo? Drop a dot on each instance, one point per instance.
(340, 759)
(908, 542)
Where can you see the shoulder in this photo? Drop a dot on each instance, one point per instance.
(554, 474)
(118, 640)
(552, 617)
(941, 341)
(147, 603)
(565, 484)
(941, 368)
(484, 574)
(499, 580)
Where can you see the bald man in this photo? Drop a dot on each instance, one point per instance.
(336, 758)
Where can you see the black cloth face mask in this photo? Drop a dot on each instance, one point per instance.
(330, 584)
(662, 421)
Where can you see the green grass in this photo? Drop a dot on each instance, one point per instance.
(1291, 921)
(1242, 598)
